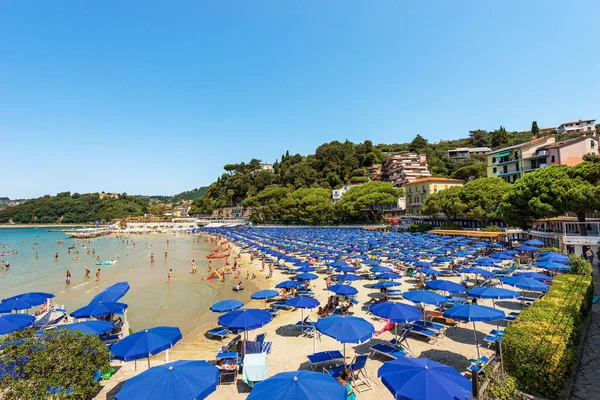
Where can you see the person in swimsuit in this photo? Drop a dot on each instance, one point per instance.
(68, 280)
(169, 276)
(87, 272)
(98, 275)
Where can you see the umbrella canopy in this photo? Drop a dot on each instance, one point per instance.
(112, 293)
(306, 277)
(534, 275)
(381, 269)
(183, 379)
(14, 322)
(424, 379)
(226, 306)
(299, 385)
(264, 294)
(527, 248)
(525, 283)
(90, 327)
(288, 284)
(344, 290)
(345, 269)
(24, 301)
(305, 269)
(534, 242)
(396, 312)
(345, 328)
(99, 309)
(336, 264)
(442, 259)
(474, 313)
(371, 262)
(447, 286)
(303, 302)
(146, 343)
(388, 275)
(347, 277)
(385, 284)
(553, 266)
(478, 271)
(484, 292)
(425, 296)
(302, 264)
(559, 258)
(245, 319)
(430, 271)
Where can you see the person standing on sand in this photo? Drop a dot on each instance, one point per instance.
(68, 280)
(151, 258)
(87, 272)
(193, 266)
(263, 264)
(169, 275)
(270, 270)
(210, 265)
(166, 254)
(98, 275)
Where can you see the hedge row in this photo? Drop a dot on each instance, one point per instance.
(540, 346)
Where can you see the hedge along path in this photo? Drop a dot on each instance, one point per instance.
(540, 346)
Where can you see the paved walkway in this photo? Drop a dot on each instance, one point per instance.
(587, 384)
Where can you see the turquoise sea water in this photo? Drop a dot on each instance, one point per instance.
(152, 301)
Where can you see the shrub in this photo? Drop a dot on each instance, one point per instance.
(493, 228)
(552, 249)
(539, 347)
(451, 226)
(502, 387)
(419, 228)
(580, 266)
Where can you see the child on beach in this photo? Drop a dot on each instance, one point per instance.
(193, 266)
(87, 272)
(98, 275)
(68, 280)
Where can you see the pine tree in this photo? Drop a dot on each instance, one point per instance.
(535, 131)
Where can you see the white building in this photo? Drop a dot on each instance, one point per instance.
(406, 167)
(460, 153)
(582, 126)
(337, 194)
(267, 168)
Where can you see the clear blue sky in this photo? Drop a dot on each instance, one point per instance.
(155, 97)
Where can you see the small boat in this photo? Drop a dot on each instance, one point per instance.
(218, 255)
(106, 262)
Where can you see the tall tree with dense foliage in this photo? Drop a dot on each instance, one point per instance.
(535, 131)
(418, 143)
(447, 203)
(369, 199)
(60, 361)
(483, 198)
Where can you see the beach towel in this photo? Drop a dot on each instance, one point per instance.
(389, 326)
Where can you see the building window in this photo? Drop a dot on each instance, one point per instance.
(493, 159)
(446, 186)
(494, 169)
(552, 159)
(435, 187)
(592, 143)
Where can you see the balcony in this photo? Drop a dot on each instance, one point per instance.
(508, 161)
(535, 168)
(509, 171)
(540, 154)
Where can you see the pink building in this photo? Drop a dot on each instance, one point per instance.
(568, 152)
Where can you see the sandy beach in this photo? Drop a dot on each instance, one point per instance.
(290, 348)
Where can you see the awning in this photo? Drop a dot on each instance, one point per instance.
(503, 154)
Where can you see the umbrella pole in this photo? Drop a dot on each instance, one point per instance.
(476, 342)
(497, 322)
(148, 361)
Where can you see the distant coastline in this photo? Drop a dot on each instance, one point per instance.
(45, 225)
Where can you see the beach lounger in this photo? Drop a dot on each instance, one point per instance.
(493, 339)
(260, 338)
(273, 311)
(323, 357)
(219, 332)
(510, 317)
(387, 350)
(427, 333)
(232, 346)
(478, 364)
(358, 375)
(282, 305)
(258, 347)
(430, 325)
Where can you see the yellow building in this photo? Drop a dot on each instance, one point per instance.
(511, 163)
(416, 192)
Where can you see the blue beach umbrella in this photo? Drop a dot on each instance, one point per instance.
(477, 271)
(388, 275)
(370, 262)
(14, 322)
(246, 319)
(385, 284)
(302, 264)
(338, 264)
(425, 296)
(24, 301)
(264, 295)
(525, 283)
(346, 329)
(430, 271)
(344, 290)
(298, 385)
(442, 259)
(474, 313)
(396, 312)
(306, 277)
(423, 264)
(112, 293)
(89, 327)
(447, 286)
(502, 256)
(146, 343)
(381, 269)
(527, 248)
(183, 379)
(534, 275)
(424, 379)
(345, 269)
(553, 266)
(494, 293)
(288, 284)
(348, 277)
(534, 242)
(302, 303)
(305, 269)
(226, 305)
(99, 309)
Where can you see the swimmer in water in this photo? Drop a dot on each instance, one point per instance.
(169, 276)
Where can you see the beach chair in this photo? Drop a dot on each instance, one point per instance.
(282, 305)
(387, 350)
(426, 333)
(260, 338)
(273, 311)
(478, 364)
(358, 376)
(510, 317)
(323, 357)
(218, 332)
(231, 346)
(431, 325)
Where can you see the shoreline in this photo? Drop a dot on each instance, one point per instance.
(18, 226)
